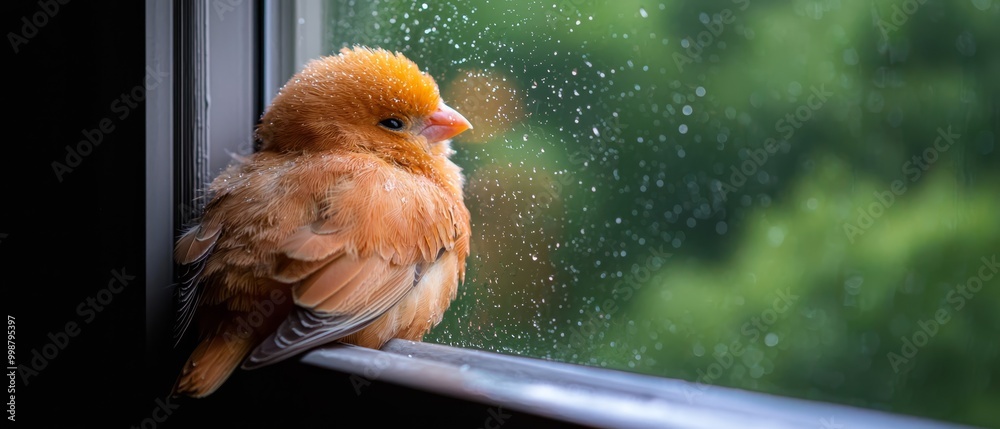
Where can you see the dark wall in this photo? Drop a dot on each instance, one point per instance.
(69, 229)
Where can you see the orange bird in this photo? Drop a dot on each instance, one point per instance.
(348, 225)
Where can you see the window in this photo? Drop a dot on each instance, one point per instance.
(797, 199)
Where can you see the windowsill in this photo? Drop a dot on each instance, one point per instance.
(586, 395)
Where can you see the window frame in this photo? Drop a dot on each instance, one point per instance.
(191, 131)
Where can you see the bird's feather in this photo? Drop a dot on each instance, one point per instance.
(335, 309)
(337, 230)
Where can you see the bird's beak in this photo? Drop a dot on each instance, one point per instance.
(444, 124)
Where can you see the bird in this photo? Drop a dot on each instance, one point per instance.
(348, 224)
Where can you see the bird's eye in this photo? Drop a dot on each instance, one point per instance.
(392, 124)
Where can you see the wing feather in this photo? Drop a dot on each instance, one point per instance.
(336, 275)
(196, 243)
(344, 312)
(192, 250)
(313, 242)
(290, 271)
(368, 239)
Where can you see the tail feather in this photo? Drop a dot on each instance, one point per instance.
(211, 364)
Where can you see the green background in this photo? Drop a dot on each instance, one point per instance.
(611, 230)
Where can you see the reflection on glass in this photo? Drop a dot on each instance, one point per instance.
(798, 197)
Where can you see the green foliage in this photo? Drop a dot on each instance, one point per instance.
(649, 199)
(803, 311)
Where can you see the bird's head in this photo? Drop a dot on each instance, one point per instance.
(362, 100)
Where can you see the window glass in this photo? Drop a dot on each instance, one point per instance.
(797, 197)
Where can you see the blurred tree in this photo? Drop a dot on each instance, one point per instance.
(777, 196)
